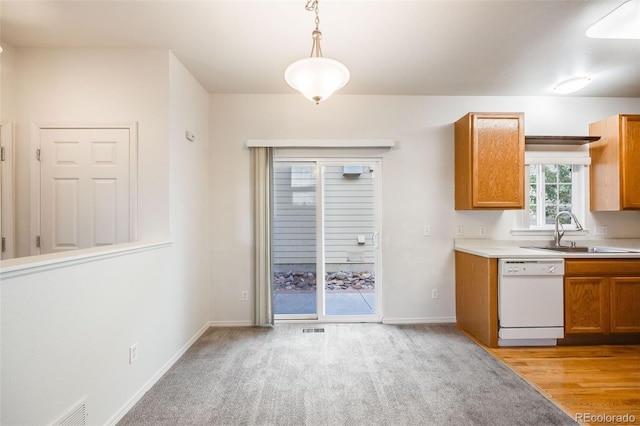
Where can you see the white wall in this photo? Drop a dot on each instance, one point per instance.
(66, 334)
(417, 184)
(189, 200)
(7, 83)
(66, 331)
(97, 86)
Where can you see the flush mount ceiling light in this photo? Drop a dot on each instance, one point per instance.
(316, 77)
(571, 85)
(621, 23)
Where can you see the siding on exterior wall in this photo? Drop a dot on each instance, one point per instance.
(294, 214)
(349, 212)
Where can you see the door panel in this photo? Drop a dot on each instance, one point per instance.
(294, 252)
(64, 214)
(84, 196)
(349, 226)
(105, 210)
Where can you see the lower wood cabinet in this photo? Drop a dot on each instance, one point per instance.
(625, 304)
(477, 297)
(586, 305)
(602, 296)
(601, 300)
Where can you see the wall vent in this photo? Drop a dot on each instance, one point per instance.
(313, 330)
(76, 416)
(352, 171)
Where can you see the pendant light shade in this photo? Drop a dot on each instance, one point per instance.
(317, 78)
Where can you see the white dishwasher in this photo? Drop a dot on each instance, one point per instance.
(530, 302)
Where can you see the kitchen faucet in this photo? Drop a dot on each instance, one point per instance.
(557, 236)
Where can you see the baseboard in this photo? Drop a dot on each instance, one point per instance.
(432, 320)
(230, 324)
(154, 379)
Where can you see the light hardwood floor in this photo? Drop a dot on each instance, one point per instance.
(585, 381)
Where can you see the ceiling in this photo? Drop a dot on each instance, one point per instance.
(392, 47)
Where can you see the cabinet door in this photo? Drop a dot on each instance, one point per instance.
(586, 305)
(498, 161)
(614, 175)
(489, 161)
(625, 304)
(630, 158)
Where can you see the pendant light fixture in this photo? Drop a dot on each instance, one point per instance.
(316, 77)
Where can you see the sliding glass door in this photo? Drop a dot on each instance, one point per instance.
(326, 242)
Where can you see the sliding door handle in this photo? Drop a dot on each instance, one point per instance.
(374, 239)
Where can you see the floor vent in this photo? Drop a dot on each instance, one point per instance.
(313, 330)
(76, 416)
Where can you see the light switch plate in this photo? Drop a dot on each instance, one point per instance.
(600, 230)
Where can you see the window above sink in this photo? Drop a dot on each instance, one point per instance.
(555, 180)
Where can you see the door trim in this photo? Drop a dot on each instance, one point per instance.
(36, 129)
(7, 215)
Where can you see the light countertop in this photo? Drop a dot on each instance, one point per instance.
(514, 248)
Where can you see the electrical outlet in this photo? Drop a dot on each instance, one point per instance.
(435, 293)
(483, 230)
(245, 295)
(427, 231)
(600, 230)
(460, 231)
(133, 353)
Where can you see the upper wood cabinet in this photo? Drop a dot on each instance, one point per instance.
(614, 174)
(489, 161)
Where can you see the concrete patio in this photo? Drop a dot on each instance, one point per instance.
(336, 302)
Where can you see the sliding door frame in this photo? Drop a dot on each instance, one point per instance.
(320, 164)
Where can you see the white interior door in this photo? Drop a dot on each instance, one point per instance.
(84, 188)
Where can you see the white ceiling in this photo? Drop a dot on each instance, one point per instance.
(392, 47)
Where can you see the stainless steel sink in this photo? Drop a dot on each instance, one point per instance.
(568, 249)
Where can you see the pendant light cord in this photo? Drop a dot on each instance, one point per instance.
(316, 50)
(312, 6)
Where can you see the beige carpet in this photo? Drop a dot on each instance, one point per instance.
(352, 374)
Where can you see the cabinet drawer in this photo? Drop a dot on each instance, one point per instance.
(614, 267)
